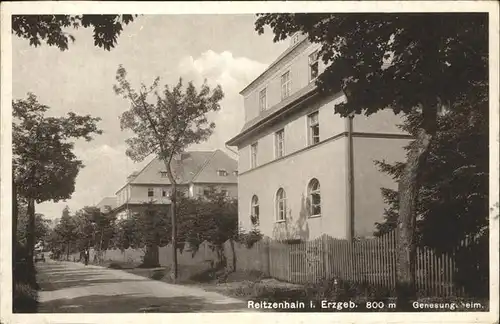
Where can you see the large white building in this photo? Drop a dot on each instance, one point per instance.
(303, 170)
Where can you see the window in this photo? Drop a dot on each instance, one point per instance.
(253, 155)
(262, 99)
(164, 193)
(313, 128)
(280, 205)
(295, 39)
(224, 192)
(285, 85)
(254, 213)
(163, 174)
(151, 192)
(222, 173)
(206, 192)
(314, 197)
(280, 143)
(313, 66)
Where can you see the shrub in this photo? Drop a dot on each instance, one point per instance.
(25, 298)
(158, 274)
(114, 265)
(342, 290)
(250, 238)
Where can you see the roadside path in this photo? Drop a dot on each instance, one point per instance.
(69, 287)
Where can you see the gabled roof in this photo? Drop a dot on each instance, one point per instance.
(107, 201)
(192, 167)
(218, 161)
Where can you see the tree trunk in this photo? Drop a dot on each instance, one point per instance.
(151, 257)
(408, 197)
(14, 232)
(173, 211)
(30, 233)
(233, 251)
(101, 254)
(14, 222)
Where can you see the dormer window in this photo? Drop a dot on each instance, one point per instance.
(222, 173)
(295, 39)
(163, 174)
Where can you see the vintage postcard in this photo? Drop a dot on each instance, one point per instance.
(250, 161)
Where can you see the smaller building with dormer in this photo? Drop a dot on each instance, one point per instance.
(196, 173)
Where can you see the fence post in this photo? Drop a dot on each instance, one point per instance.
(267, 249)
(324, 254)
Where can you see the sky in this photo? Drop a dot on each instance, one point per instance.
(223, 49)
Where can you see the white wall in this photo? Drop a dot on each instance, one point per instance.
(298, 65)
(368, 179)
(383, 121)
(296, 133)
(231, 188)
(326, 162)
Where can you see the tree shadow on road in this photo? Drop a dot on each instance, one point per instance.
(133, 303)
(79, 282)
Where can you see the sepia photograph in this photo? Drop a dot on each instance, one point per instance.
(270, 158)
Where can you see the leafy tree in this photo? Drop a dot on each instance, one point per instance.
(166, 125)
(127, 234)
(42, 233)
(454, 191)
(66, 230)
(51, 28)
(44, 165)
(213, 218)
(84, 231)
(147, 228)
(404, 62)
(153, 227)
(42, 229)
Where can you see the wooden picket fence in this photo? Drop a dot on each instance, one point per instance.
(367, 260)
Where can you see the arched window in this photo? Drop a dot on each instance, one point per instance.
(314, 197)
(254, 217)
(280, 205)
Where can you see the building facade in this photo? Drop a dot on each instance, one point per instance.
(303, 170)
(196, 173)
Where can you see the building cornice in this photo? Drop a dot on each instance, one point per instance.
(330, 139)
(135, 204)
(280, 113)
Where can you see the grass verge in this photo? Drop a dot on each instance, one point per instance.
(257, 287)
